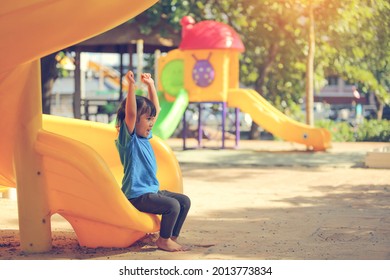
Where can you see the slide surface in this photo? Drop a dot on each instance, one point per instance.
(170, 115)
(86, 190)
(83, 174)
(277, 123)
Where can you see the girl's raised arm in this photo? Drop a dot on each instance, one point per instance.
(131, 105)
(146, 78)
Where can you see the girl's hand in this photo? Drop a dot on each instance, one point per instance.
(146, 78)
(130, 78)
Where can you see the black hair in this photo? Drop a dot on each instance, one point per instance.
(144, 106)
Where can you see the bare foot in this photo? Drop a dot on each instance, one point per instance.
(170, 245)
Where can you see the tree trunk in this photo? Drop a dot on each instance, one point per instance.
(379, 113)
(49, 74)
(254, 133)
(310, 69)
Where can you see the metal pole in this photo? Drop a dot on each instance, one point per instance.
(77, 87)
(223, 123)
(237, 111)
(200, 129)
(184, 133)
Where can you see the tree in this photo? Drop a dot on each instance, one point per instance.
(310, 66)
(360, 48)
(275, 34)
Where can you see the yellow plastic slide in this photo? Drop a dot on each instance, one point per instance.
(84, 172)
(62, 165)
(277, 123)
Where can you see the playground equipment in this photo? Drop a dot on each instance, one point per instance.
(111, 76)
(206, 66)
(61, 165)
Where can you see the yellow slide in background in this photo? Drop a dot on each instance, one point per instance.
(109, 73)
(277, 123)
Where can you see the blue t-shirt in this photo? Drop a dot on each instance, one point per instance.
(139, 163)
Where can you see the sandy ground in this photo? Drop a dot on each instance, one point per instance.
(264, 200)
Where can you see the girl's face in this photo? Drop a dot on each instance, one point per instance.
(144, 125)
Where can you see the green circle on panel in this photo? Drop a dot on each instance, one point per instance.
(172, 77)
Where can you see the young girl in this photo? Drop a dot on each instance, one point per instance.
(135, 119)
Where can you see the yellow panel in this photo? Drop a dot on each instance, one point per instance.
(30, 29)
(216, 91)
(234, 70)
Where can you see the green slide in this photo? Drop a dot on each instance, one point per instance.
(170, 115)
(172, 80)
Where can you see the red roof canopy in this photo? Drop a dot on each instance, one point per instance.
(208, 35)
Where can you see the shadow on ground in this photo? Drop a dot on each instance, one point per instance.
(357, 226)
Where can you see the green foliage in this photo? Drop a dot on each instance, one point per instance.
(367, 131)
(359, 46)
(374, 131)
(166, 15)
(341, 131)
(61, 59)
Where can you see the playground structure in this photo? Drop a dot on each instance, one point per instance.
(71, 167)
(61, 165)
(205, 69)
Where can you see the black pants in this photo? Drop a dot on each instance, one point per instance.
(172, 206)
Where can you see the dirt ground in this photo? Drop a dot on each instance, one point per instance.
(264, 200)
